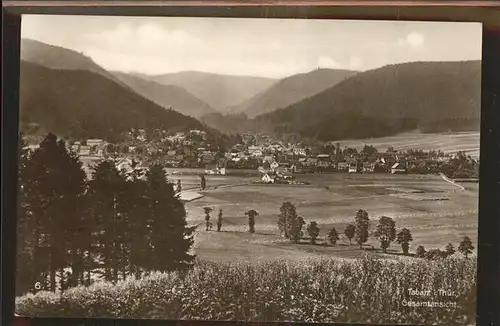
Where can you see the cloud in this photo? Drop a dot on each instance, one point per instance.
(355, 63)
(327, 62)
(413, 39)
(147, 38)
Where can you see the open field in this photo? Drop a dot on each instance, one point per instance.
(437, 212)
(448, 143)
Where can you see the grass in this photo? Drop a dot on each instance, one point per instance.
(367, 290)
(405, 198)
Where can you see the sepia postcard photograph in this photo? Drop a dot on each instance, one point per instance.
(243, 169)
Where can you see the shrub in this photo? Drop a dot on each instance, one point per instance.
(367, 290)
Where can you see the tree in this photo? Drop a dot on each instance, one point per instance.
(203, 182)
(421, 252)
(27, 239)
(333, 236)
(386, 232)
(313, 231)
(290, 223)
(207, 211)
(54, 184)
(404, 238)
(466, 247)
(179, 186)
(349, 232)
(107, 197)
(219, 221)
(450, 250)
(369, 150)
(251, 220)
(362, 224)
(171, 238)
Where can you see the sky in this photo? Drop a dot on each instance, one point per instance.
(273, 48)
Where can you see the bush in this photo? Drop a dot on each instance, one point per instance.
(315, 290)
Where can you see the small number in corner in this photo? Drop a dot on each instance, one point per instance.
(38, 286)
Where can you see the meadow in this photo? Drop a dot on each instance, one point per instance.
(436, 212)
(366, 291)
(449, 143)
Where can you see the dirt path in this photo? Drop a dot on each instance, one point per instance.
(445, 178)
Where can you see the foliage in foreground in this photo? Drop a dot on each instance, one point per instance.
(315, 290)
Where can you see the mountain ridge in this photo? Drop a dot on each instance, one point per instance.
(292, 89)
(70, 103)
(167, 96)
(431, 96)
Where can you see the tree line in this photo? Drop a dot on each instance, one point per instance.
(114, 225)
(290, 225)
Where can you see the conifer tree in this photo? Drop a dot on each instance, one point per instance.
(26, 233)
(55, 184)
(107, 195)
(171, 238)
(362, 224)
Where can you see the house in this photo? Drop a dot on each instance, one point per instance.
(207, 158)
(398, 168)
(300, 151)
(369, 167)
(281, 170)
(342, 166)
(274, 165)
(353, 167)
(84, 151)
(214, 169)
(268, 178)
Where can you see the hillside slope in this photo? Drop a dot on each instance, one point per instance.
(167, 96)
(430, 96)
(57, 57)
(83, 104)
(219, 91)
(291, 90)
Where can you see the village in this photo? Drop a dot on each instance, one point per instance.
(274, 160)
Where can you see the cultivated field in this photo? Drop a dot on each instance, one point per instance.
(448, 143)
(437, 212)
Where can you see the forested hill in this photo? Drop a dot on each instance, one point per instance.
(57, 57)
(167, 96)
(430, 96)
(83, 104)
(292, 89)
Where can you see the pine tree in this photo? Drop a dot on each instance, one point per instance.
(386, 232)
(138, 235)
(362, 224)
(27, 239)
(107, 195)
(55, 185)
(171, 238)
